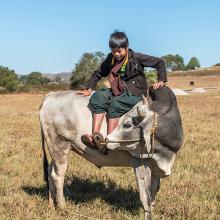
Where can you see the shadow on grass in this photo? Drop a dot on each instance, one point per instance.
(79, 190)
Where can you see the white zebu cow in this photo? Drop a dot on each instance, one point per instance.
(64, 117)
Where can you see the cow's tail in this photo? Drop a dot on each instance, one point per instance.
(45, 161)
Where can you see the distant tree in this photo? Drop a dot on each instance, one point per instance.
(57, 79)
(23, 79)
(179, 62)
(217, 64)
(87, 64)
(174, 62)
(36, 78)
(193, 64)
(45, 80)
(8, 79)
(169, 61)
(151, 76)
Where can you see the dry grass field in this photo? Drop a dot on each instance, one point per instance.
(191, 192)
(202, 81)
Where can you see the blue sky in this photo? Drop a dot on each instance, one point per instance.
(50, 36)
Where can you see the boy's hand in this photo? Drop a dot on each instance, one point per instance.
(86, 92)
(158, 84)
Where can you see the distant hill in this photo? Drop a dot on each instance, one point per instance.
(65, 76)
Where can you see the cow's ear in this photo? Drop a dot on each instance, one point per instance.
(147, 140)
(145, 127)
(146, 136)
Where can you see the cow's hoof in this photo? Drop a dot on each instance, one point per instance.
(148, 216)
(51, 205)
(152, 205)
(50, 201)
(61, 206)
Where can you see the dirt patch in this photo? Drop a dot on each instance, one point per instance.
(198, 90)
(179, 92)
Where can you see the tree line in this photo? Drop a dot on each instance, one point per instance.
(88, 63)
(11, 82)
(176, 63)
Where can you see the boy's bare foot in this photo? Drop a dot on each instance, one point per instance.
(88, 141)
(95, 141)
(100, 143)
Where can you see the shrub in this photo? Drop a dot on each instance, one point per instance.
(8, 79)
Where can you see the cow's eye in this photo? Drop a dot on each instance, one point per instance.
(137, 120)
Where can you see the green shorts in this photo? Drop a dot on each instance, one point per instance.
(115, 106)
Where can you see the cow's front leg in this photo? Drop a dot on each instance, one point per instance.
(143, 177)
(155, 186)
(57, 171)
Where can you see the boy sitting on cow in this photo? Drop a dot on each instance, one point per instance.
(125, 71)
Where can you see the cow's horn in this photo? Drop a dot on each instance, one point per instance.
(144, 98)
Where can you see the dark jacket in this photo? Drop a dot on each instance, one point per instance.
(134, 75)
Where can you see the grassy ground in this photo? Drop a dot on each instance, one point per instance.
(191, 192)
(202, 81)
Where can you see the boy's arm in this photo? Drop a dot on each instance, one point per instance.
(102, 71)
(154, 62)
(95, 77)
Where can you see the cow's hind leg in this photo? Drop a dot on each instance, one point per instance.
(57, 171)
(143, 177)
(52, 189)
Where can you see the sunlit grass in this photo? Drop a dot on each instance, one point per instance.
(108, 193)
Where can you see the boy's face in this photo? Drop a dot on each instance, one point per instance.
(119, 53)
